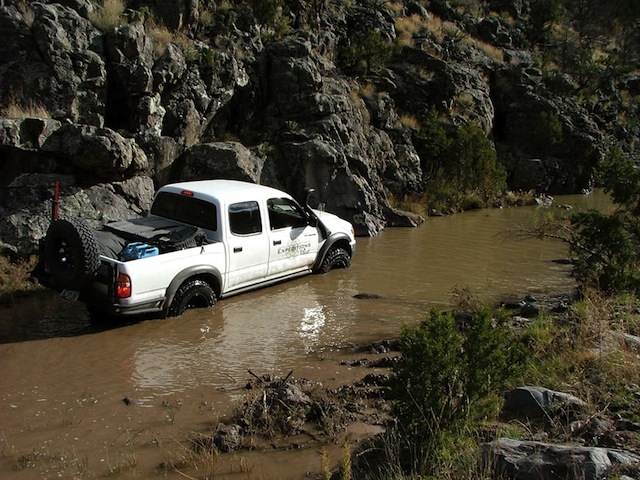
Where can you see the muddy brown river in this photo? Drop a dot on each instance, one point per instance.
(65, 378)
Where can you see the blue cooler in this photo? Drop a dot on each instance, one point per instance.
(136, 250)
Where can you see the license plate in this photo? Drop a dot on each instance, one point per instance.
(71, 295)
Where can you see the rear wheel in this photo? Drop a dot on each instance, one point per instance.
(72, 252)
(336, 258)
(192, 294)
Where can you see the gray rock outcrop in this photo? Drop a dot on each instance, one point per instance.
(332, 100)
(529, 460)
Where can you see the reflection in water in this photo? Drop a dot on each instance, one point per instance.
(312, 322)
(262, 331)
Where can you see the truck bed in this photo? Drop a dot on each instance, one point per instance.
(167, 235)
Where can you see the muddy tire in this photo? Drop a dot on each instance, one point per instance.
(336, 258)
(72, 252)
(192, 294)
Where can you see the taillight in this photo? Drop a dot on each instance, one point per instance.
(123, 286)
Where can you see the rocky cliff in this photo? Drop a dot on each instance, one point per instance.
(113, 99)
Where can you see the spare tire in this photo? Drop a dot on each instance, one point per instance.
(72, 252)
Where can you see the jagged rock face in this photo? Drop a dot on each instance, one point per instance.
(230, 101)
(541, 133)
(54, 56)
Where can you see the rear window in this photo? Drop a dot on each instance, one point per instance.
(192, 211)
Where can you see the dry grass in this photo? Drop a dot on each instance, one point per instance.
(580, 355)
(15, 278)
(161, 36)
(463, 103)
(19, 108)
(491, 51)
(409, 122)
(407, 28)
(410, 203)
(109, 15)
(435, 24)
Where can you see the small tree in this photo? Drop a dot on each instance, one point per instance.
(472, 164)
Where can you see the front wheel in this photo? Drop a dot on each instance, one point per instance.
(192, 294)
(336, 258)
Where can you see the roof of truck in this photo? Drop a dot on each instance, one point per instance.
(225, 191)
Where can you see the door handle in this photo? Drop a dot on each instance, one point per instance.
(277, 242)
(237, 249)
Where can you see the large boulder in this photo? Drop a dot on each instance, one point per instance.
(101, 151)
(537, 402)
(529, 460)
(229, 160)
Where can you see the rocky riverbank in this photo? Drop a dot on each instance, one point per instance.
(558, 434)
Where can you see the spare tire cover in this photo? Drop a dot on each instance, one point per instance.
(71, 252)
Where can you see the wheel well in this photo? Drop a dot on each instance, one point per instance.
(343, 243)
(209, 278)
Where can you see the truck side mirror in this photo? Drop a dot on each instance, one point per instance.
(308, 192)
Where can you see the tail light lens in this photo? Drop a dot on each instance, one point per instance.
(123, 286)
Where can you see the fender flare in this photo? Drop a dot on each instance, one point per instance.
(202, 271)
(338, 237)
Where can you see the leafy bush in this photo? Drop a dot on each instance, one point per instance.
(446, 379)
(605, 246)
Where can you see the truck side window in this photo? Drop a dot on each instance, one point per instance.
(244, 218)
(285, 213)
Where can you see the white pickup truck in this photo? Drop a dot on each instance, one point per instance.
(201, 241)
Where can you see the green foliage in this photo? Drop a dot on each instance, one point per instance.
(428, 379)
(462, 171)
(446, 379)
(539, 133)
(267, 11)
(546, 131)
(543, 14)
(606, 246)
(471, 163)
(366, 53)
(207, 58)
(433, 137)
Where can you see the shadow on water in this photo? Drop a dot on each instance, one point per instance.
(45, 315)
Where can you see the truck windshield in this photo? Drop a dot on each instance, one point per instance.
(189, 210)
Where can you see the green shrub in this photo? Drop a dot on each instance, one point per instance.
(605, 246)
(462, 172)
(366, 53)
(472, 164)
(446, 379)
